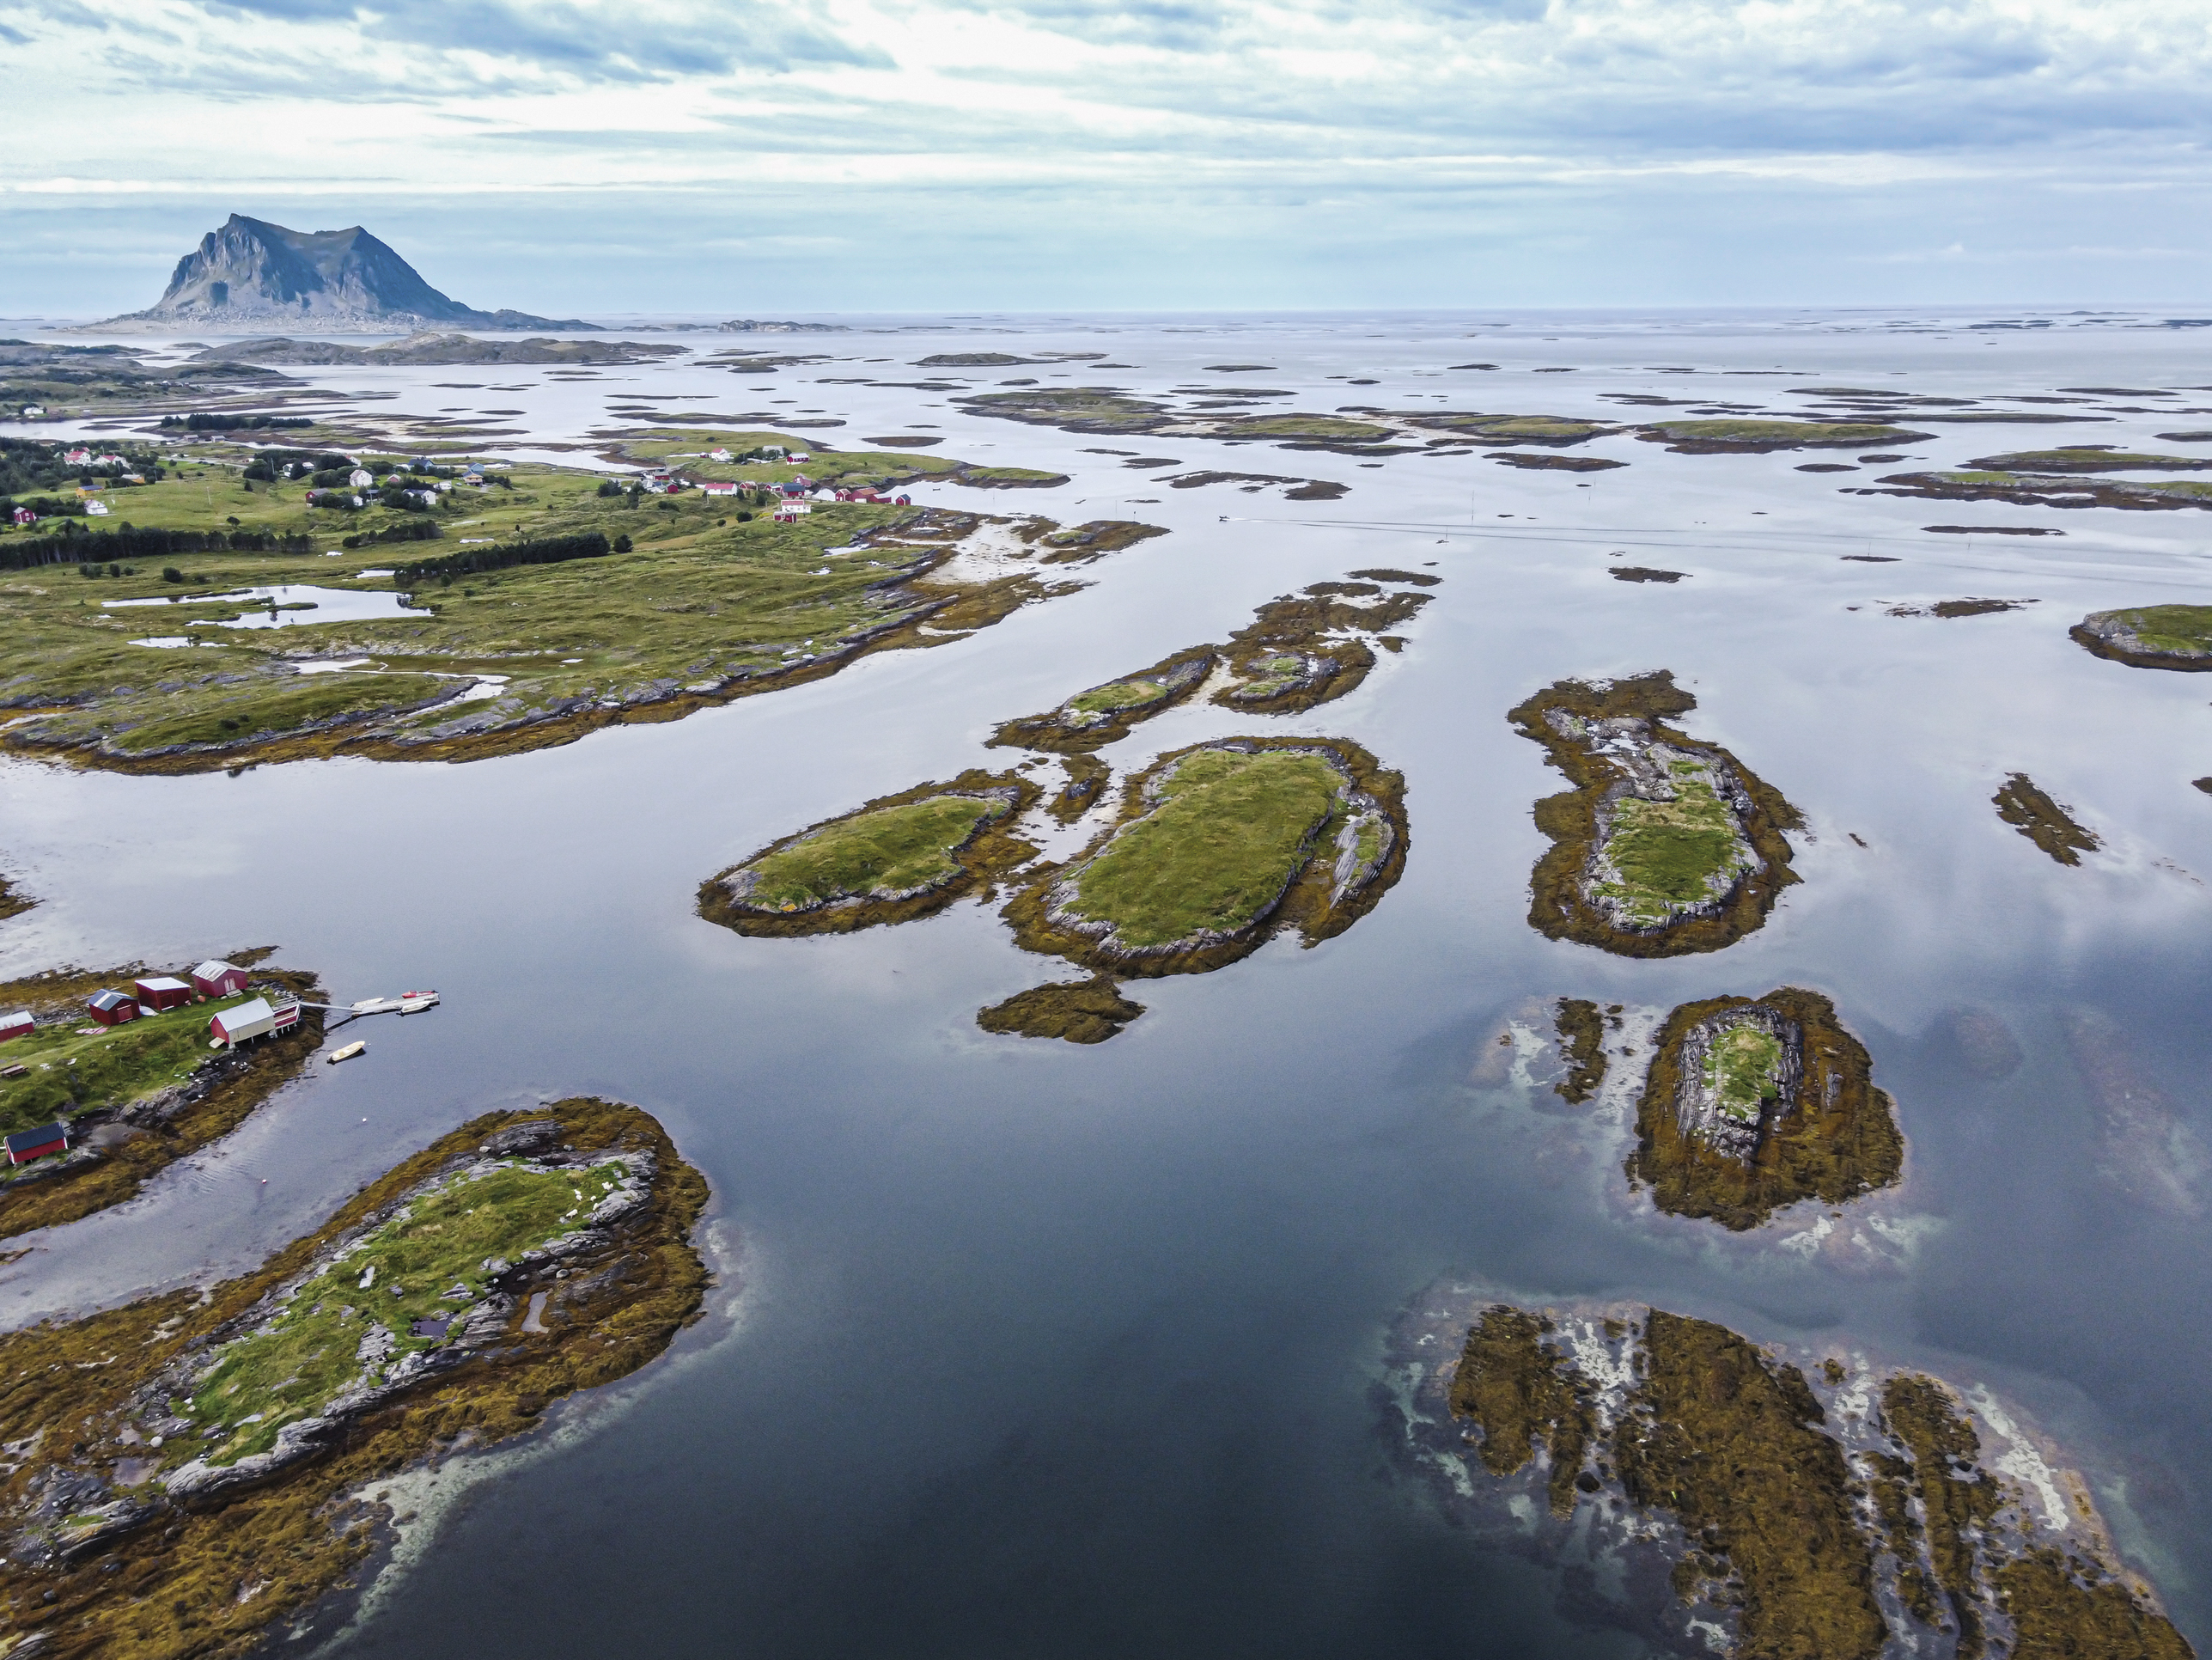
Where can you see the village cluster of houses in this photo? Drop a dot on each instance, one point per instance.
(798, 494)
(242, 1022)
(86, 461)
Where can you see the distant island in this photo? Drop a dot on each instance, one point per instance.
(250, 276)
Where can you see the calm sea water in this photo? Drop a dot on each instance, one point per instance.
(1039, 1350)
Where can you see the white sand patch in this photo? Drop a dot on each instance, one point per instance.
(987, 554)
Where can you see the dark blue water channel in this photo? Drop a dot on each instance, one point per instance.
(1025, 1349)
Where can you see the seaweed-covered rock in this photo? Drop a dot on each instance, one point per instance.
(1772, 1504)
(1752, 1105)
(1105, 714)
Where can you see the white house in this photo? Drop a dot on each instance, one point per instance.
(77, 457)
(825, 494)
(98, 509)
(717, 454)
(252, 1019)
(717, 489)
(361, 477)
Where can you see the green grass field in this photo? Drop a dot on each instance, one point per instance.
(1230, 830)
(893, 848)
(1673, 854)
(1743, 1068)
(1781, 434)
(427, 1261)
(68, 1071)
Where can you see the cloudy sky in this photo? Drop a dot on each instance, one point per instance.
(747, 157)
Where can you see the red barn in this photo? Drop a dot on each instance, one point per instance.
(163, 991)
(111, 1008)
(19, 1024)
(27, 1145)
(218, 978)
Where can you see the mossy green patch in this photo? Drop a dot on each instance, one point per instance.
(1672, 854)
(1743, 1068)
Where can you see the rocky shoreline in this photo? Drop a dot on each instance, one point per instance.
(1709, 1495)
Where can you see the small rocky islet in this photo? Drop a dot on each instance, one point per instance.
(1710, 1495)
(893, 860)
(1667, 845)
(1750, 1105)
(2150, 637)
(189, 1468)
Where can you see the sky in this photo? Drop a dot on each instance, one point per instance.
(744, 158)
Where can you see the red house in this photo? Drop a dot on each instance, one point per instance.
(19, 1024)
(163, 991)
(27, 1145)
(218, 978)
(111, 1008)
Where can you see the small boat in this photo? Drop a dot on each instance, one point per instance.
(356, 1047)
(413, 1003)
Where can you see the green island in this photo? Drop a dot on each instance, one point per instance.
(12, 900)
(1581, 1029)
(1750, 1105)
(469, 620)
(193, 1466)
(1108, 410)
(134, 1097)
(1105, 714)
(1733, 435)
(1666, 845)
(2087, 458)
(2048, 490)
(1219, 846)
(2024, 806)
(1769, 1506)
(895, 859)
(2150, 636)
(1080, 1011)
